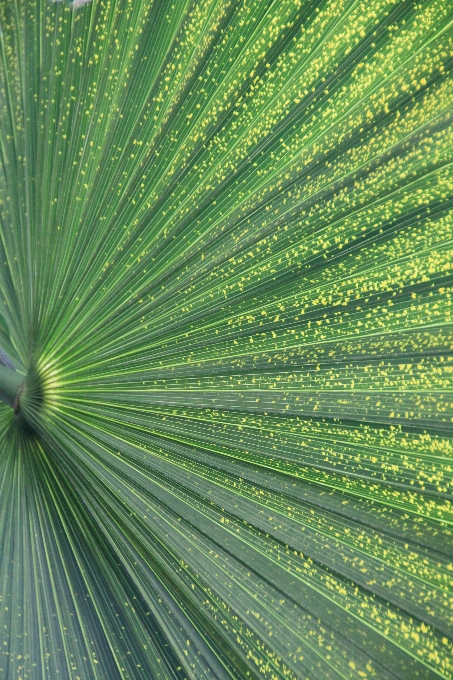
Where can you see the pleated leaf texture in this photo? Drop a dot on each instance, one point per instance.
(226, 277)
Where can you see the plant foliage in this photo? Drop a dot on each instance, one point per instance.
(225, 269)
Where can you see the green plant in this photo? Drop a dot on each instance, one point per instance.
(225, 272)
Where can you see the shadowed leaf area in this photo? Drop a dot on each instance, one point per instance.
(226, 290)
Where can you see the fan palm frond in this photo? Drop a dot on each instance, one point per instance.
(225, 273)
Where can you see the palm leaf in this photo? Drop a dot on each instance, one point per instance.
(225, 273)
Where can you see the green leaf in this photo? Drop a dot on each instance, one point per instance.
(226, 237)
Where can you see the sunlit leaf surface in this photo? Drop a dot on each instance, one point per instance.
(226, 252)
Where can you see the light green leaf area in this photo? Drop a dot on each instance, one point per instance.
(226, 247)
